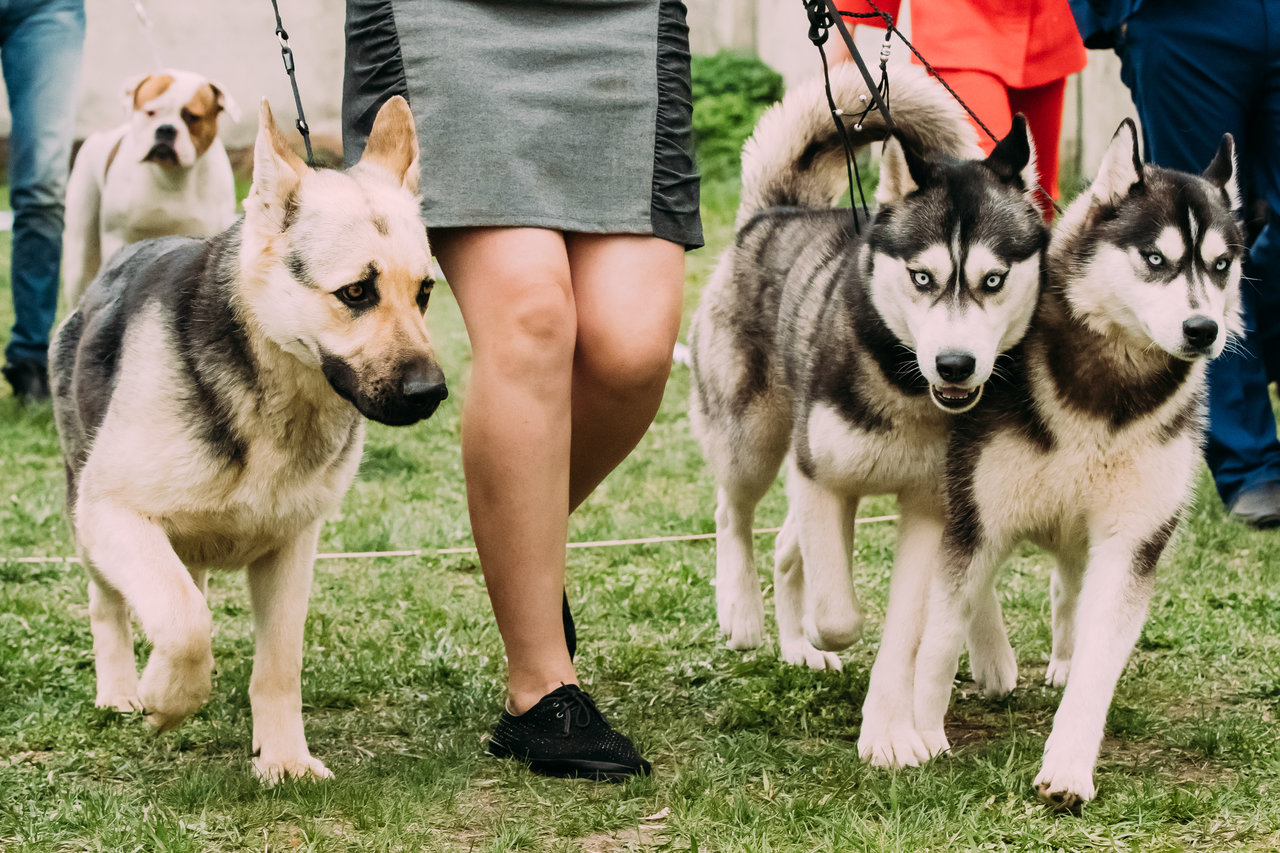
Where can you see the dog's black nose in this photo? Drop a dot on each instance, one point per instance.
(1200, 331)
(423, 385)
(955, 366)
(166, 133)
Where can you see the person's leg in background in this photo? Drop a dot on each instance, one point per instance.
(40, 55)
(1042, 106)
(1193, 77)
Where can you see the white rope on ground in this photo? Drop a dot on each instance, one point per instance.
(441, 552)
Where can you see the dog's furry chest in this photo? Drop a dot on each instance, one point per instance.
(1090, 479)
(845, 456)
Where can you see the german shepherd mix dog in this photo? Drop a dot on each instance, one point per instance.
(1090, 444)
(853, 354)
(209, 394)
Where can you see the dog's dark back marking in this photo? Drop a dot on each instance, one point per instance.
(1144, 559)
(208, 338)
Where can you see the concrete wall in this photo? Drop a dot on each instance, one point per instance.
(233, 42)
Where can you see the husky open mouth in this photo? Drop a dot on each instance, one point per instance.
(953, 398)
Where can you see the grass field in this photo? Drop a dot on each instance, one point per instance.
(403, 678)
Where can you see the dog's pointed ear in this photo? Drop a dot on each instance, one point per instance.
(1121, 167)
(1222, 171)
(901, 171)
(393, 143)
(277, 173)
(1014, 158)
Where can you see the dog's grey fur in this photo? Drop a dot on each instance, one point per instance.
(209, 398)
(815, 341)
(1090, 444)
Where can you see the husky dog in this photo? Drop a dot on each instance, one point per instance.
(853, 353)
(1090, 445)
(208, 395)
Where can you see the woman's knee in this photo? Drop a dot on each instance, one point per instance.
(625, 364)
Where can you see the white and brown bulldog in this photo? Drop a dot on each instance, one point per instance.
(162, 172)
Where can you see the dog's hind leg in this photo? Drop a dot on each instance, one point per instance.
(992, 662)
(957, 587)
(1064, 593)
(132, 555)
(888, 737)
(279, 584)
(825, 524)
(117, 674)
(788, 598)
(739, 604)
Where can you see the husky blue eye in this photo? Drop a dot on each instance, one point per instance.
(1155, 259)
(993, 282)
(922, 279)
(1221, 264)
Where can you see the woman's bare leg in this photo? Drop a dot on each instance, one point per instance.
(571, 341)
(628, 292)
(514, 288)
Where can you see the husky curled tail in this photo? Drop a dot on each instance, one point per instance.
(849, 353)
(795, 157)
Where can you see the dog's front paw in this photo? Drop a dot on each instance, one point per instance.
(1065, 781)
(275, 769)
(935, 742)
(995, 671)
(892, 745)
(799, 652)
(124, 701)
(1065, 789)
(742, 621)
(1056, 674)
(174, 686)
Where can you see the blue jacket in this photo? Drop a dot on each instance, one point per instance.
(1099, 21)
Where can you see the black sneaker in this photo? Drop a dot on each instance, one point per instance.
(566, 735)
(30, 381)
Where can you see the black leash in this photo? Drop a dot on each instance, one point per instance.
(823, 14)
(286, 53)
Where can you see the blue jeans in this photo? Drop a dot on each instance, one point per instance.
(40, 48)
(1195, 73)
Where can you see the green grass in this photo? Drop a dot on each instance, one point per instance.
(404, 672)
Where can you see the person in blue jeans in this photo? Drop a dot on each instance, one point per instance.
(40, 48)
(1195, 72)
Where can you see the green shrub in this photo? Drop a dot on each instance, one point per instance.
(730, 91)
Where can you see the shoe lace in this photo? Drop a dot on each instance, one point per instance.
(576, 708)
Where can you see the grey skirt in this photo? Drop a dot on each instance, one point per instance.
(571, 114)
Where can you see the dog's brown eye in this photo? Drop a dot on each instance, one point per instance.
(354, 294)
(424, 293)
(188, 116)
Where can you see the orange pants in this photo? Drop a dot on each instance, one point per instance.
(996, 104)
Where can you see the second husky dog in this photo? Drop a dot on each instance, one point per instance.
(209, 394)
(1091, 444)
(852, 354)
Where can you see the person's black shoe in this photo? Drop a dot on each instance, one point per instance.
(30, 381)
(570, 631)
(1259, 507)
(566, 735)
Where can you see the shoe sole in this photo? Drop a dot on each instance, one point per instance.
(576, 768)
